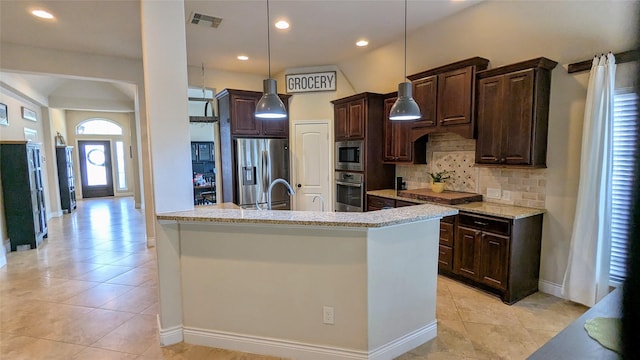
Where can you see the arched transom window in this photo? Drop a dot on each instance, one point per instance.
(98, 127)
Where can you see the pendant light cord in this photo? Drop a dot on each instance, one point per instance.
(203, 84)
(405, 40)
(269, 39)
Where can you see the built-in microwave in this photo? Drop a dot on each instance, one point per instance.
(350, 155)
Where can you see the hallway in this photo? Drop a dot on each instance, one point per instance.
(90, 292)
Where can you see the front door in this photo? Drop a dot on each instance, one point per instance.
(312, 166)
(95, 168)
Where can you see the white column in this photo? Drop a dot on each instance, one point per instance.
(165, 78)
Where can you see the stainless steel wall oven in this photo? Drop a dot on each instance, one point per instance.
(349, 192)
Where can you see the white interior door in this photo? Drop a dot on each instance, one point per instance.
(312, 168)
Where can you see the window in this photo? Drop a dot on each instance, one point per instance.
(625, 130)
(98, 127)
(122, 179)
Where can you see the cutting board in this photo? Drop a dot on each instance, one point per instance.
(445, 197)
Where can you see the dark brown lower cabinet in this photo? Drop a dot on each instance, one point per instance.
(445, 248)
(498, 254)
(467, 255)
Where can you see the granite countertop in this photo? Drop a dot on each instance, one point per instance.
(478, 207)
(374, 219)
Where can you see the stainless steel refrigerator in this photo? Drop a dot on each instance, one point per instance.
(259, 162)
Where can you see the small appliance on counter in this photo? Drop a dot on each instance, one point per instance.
(400, 185)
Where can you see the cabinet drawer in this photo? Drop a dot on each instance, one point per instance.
(446, 233)
(449, 219)
(401, 203)
(379, 202)
(494, 225)
(445, 258)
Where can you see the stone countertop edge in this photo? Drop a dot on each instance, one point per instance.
(374, 219)
(477, 207)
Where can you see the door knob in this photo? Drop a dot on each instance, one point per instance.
(299, 185)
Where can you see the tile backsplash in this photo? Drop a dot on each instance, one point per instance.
(522, 187)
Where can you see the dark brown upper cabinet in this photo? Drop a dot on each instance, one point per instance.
(238, 108)
(425, 93)
(398, 147)
(349, 119)
(446, 98)
(513, 114)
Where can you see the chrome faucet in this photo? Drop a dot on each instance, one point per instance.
(273, 183)
(321, 201)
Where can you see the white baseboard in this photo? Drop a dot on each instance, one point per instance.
(401, 345)
(170, 336)
(304, 351)
(53, 214)
(3, 255)
(151, 242)
(550, 288)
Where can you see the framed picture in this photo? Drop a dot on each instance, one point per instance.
(4, 118)
(29, 114)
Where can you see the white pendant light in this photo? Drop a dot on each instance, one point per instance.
(405, 108)
(270, 106)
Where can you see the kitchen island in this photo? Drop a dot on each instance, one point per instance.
(300, 285)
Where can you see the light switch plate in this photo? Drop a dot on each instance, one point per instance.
(506, 195)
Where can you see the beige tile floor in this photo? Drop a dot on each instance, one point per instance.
(90, 292)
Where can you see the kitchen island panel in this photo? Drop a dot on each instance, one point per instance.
(262, 287)
(273, 283)
(402, 268)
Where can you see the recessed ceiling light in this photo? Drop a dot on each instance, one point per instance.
(42, 14)
(282, 25)
(362, 43)
(243, 57)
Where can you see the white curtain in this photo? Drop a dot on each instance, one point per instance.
(586, 279)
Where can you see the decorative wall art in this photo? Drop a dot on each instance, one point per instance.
(4, 118)
(29, 114)
(59, 139)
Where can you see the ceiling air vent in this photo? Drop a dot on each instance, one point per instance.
(206, 20)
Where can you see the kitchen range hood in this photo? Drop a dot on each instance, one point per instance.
(201, 108)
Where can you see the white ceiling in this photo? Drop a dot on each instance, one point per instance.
(322, 32)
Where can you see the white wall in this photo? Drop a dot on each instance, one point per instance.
(90, 95)
(508, 32)
(201, 131)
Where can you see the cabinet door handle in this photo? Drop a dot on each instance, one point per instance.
(480, 223)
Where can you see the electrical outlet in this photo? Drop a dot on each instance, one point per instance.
(327, 315)
(493, 193)
(506, 195)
